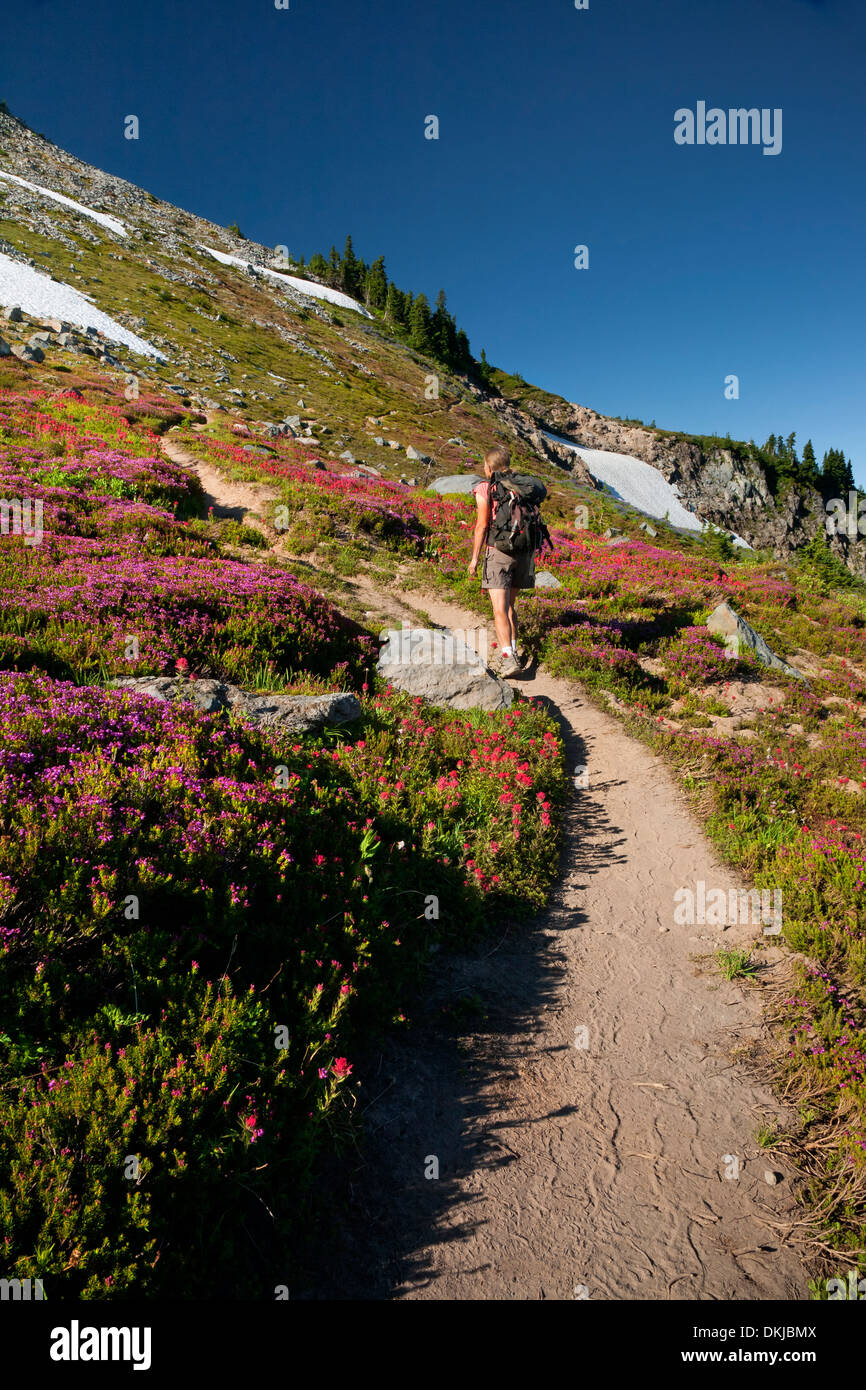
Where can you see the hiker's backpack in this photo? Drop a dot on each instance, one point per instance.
(516, 526)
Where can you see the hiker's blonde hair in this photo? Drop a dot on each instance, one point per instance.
(499, 458)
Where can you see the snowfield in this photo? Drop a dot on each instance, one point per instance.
(309, 287)
(636, 482)
(43, 298)
(102, 218)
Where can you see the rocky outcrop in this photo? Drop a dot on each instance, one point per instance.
(720, 486)
(526, 430)
(297, 713)
(442, 668)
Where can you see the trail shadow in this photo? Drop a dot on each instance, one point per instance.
(431, 1093)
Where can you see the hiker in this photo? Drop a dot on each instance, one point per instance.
(510, 528)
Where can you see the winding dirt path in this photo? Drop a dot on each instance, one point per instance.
(625, 1168)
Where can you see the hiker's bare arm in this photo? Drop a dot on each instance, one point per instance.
(481, 523)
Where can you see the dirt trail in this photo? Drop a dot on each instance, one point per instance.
(566, 1168)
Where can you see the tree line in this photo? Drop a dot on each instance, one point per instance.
(834, 477)
(432, 331)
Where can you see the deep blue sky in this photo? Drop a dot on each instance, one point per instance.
(556, 128)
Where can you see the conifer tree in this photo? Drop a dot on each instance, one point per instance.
(376, 285)
(351, 271)
(420, 334)
(395, 305)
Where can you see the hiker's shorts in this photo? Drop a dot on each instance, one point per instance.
(501, 571)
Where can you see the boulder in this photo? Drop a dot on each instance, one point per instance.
(545, 580)
(27, 353)
(56, 325)
(456, 440)
(727, 623)
(413, 453)
(5, 349)
(13, 314)
(393, 443)
(611, 532)
(293, 421)
(348, 456)
(456, 482)
(298, 713)
(377, 439)
(439, 666)
(650, 530)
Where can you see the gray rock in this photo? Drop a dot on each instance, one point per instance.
(545, 580)
(40, 339)
(293, 421)
(13, 314)
(650, 530)
(456, 440)
(725, 622)
(413, 453)
(377, 439)
(393, 443)
(456, 482)
(299, 713)
(302, 404)
(348, 456)
(66, 340)
(5, 349)
(611, 531)
(438, 665)
(28, 354)
(56, 325)
(618, 540)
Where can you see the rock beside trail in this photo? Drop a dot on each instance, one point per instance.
(299, 713)
(545, 580)
(439, 666)
(456, 482)
(725, 622)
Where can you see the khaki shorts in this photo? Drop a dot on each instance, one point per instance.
(501, 571)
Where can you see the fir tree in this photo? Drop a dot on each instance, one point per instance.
(376, 286)
(351, 271)
(420, 324)
(809, 467)
(318, 265)
(395, 306)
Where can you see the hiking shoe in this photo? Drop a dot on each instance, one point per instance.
(510, 667)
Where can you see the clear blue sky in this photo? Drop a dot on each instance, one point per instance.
(556, 129)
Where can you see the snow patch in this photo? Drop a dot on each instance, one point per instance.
(102, 218)
(43, 298)
(636, 482)
(308, 287)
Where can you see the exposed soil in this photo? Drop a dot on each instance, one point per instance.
(602, 1170)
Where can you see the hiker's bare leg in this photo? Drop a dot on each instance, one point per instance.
(510, 613)
(499, 602)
